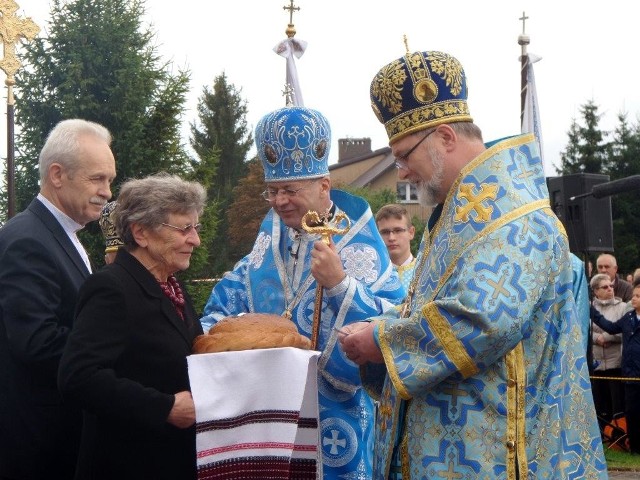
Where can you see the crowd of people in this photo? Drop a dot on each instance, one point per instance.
(458, 361)
(615, 348)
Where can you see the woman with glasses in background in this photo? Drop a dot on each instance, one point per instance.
(125, 362)
(608, 395)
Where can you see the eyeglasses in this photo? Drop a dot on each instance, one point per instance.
(604, 286)
(401, 160)
(187, 229)
(270, 194)
(388, 231)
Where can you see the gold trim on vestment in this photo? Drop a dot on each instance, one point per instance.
(500, 222)
(453, 347)
(515, 442)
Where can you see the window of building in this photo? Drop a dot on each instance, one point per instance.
(407, 192)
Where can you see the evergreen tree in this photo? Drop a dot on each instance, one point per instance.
(625, 161)
(221, 140)
(246, 212)
(98, 63)
(586, 151)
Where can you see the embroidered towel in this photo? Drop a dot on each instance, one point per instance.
(256, 414)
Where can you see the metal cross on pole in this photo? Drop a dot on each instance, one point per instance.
(12, 29)
(291, 30)
(313, 222)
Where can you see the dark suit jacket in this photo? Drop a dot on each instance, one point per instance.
(40, 275)
(125, 360)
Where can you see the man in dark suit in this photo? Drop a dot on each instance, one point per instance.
(42, 266)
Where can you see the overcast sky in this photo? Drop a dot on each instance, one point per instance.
(587, 49)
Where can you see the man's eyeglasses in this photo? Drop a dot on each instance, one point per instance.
(187, 229)
(270, 194)
(388, 231)
(605, 286)
(401, 160)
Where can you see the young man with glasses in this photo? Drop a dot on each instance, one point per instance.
(280, 275)
(485, 364)
(397, 232)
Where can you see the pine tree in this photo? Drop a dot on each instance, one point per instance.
(221, 140)
(586, 151)
(624, 161)
(98, 63)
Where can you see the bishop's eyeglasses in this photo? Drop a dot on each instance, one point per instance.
(401, 160)
(270, 194)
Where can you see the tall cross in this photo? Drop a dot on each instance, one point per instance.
(291, 7)
(12, 29)
(524, 18)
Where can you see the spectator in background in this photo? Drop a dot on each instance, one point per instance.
(608, 395)
(606, 263)
(629, 326)
(397, 232)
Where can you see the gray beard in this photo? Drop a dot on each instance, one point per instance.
(429, 190)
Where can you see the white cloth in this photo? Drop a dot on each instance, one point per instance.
(290, 48)
(256, 413)
(531, 117)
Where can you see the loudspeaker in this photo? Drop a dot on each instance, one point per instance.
(587, 220)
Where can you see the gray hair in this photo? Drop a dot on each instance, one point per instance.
(467, 129)
(149, 202)
(63, 144)
(597, 279)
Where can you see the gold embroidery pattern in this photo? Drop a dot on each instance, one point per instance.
(387, 86)
(385, 410)
(449, 69)
(474, 202)
(441, 112)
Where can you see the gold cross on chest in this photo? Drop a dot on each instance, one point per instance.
(12, 29)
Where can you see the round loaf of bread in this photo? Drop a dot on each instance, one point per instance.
(250, 331)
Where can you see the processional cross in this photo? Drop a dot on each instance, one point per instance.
(312, 222)
(12, 30)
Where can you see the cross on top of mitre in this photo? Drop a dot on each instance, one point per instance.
(12, 29)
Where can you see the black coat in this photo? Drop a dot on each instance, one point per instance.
(125, 360)
(40, 275)
(629, 326)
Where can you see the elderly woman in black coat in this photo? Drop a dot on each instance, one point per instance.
(125, 362)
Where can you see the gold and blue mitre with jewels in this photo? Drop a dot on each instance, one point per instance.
(293, 144)
(107, 225)
(418, 91)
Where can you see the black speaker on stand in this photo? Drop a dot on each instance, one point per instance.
(587, 220)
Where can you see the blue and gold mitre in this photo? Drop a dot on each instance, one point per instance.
(418, 91)
(293, 144)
